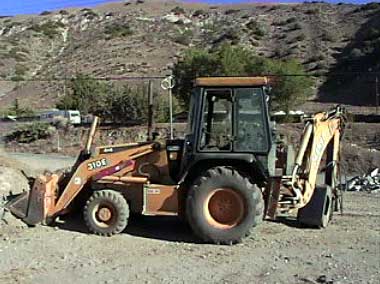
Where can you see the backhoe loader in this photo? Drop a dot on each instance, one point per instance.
(224, 177)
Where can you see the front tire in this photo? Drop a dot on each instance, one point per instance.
(106, 213)
(222, 206)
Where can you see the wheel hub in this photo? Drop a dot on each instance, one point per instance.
(224, 208)
(104, 214)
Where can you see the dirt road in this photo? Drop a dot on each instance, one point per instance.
(164, 251)
(40, 162)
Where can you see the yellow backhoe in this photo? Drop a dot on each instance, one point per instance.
(224, 177)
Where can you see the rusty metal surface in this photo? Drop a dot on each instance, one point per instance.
(155, 167)
(224, 208)
(272, 193)
(34, 206)
(89, 168)
(19, 205)
(231, 81)
(160, 199)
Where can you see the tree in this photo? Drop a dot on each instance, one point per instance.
(19, 111)
(131, 104)
(127, 104)
(196, 62)
(230, 60)
(294, 85)
(87, 95)
(114, 102)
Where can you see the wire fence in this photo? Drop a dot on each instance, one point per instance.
(358, 90)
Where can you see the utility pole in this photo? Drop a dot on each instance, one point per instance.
(377, 93)
(168, 84)
(150, 110)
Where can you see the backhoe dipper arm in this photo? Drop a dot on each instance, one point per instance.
(323, 130)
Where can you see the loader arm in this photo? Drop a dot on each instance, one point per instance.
(92, 167)
(88, 168)
(49, 197)
(323, 132)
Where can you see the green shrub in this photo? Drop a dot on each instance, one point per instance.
(356, 53)
(116, 30)
(178, 10)
(291, 20)
(183, 37)
(85, 94)
(256, 28)
(370, 6)
(312, 12)
(89, 14)
(321, 66)
(199, 12)
(19, 111)
(30, 132)
(127, 104)
(64, 12)
(45, 13)
(17, 78)
(372, 34)
(18, 54)
(300, 37)
(316, 58)
(231, 11)
(111, 102)
(237, 61)
(295, 26)
(20, 70)
(231, 34)
(329, 36)
(48, 29)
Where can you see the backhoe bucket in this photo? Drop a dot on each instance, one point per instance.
(33, 206)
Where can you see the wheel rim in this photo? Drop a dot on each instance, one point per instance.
(104, 215)
(224, 208)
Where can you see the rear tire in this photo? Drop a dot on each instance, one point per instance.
(106, 213)
(222, 206)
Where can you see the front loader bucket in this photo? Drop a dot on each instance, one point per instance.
(33, 206)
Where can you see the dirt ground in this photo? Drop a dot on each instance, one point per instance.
(163, 250)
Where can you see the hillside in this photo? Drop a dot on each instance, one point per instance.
(143, 38)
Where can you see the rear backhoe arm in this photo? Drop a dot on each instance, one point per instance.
(323, 132)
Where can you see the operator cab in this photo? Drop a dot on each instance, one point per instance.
(228, 122)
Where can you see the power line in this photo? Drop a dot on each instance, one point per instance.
(131, 78)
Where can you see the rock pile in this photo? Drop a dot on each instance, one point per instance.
(13, 176)
(368, 182)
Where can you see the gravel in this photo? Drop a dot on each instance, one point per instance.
(163, 250)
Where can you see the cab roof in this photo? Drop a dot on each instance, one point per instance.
(231, 81)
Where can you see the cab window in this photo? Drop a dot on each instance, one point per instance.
(250, 120)
(216, 129)
(191, 113)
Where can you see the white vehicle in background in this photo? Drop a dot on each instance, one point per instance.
(72, 116)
